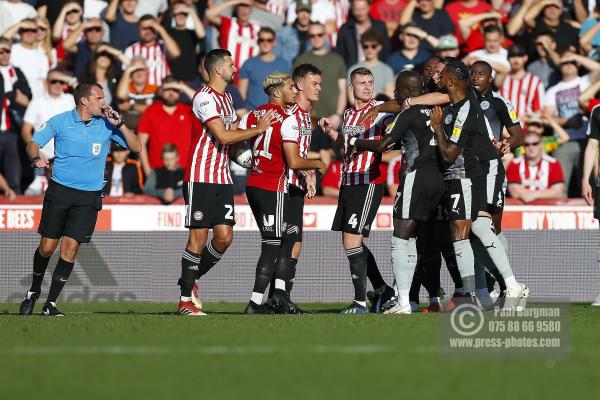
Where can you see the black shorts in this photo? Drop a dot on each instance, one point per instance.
(267, 207)
(293, 213)
(208, 204)
(69, 212)
(419, 194)
(464, 198)
(357, 208)
(495, 185)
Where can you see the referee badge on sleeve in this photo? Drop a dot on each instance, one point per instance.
(96, 147)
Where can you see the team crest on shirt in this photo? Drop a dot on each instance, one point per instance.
(448, 119)
(198, 215)
(485, 105)
(96, 147)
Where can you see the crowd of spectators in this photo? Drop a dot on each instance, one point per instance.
(148, 54)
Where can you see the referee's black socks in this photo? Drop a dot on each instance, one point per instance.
(59, 278)
(40, 263)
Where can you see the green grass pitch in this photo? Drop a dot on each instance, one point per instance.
(145, 351)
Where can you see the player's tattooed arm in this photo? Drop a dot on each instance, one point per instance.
(448, 151)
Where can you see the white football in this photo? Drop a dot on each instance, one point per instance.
(243, 155)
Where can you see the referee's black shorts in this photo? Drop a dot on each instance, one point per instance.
(69, 212)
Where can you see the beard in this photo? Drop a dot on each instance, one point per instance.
(229, 80)
(170, 102)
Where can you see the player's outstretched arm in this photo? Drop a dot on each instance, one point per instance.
(390, 106)
(448, 151)
(295, 162)
(429, 99)
(217, 128)
(376, 146)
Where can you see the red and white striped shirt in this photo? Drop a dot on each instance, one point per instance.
(240, 40)
(362, 168)
(525, 94)
(268, 166)
(208, 161)
(297, 128)
(156, 59)
(540, 176)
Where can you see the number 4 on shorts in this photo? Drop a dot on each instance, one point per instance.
(353, 221)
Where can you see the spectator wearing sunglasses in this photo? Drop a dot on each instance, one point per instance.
(348, 45)
(384, 75)
(14, 97)
(83, 50)
(27, 56)
(67, 21)
(411, 54)
(562, 101)
(426, 16)
(535, 175)
(255, 70)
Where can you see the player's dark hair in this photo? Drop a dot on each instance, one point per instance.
(214, 58)
(84, 90)
(303, 70)
(459, 70)
(266, 29)
(493, 29)
(362, 71)
(371, 35)
(484, 64)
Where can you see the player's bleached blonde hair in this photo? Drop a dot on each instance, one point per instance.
(275, 80)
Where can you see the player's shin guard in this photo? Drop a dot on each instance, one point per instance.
(265, 268)
(358, 269)
(373, 272)
(40, 263)
(189, 272)
(495, 249)
(466, 263)
(404, 261)
(209, 258)
(59, 278)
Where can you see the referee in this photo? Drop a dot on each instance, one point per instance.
(82, 139)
